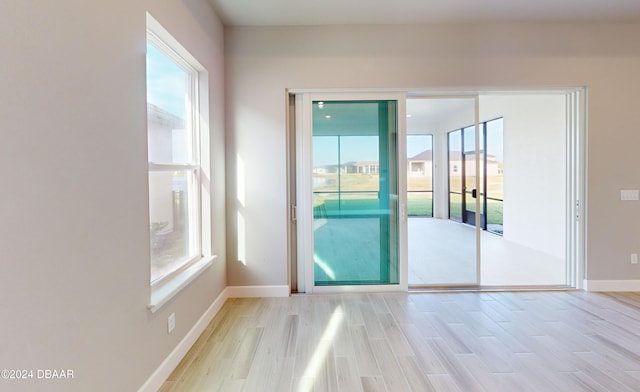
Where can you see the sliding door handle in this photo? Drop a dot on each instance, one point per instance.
(474, 193)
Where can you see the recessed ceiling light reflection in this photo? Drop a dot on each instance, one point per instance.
(327, 116)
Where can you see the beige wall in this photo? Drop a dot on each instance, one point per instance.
(74, 215)
(74, 234)
(263, 62)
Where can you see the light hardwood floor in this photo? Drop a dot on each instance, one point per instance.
(487, 341)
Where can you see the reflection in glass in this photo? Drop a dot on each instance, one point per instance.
(495, 177)
(173, 161)
(170, 220)
(355, 192)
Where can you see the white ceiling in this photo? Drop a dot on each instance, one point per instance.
(353, 12)
(423, 115)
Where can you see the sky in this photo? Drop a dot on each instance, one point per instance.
(352, 149)
(359, 148)
(166, 83)
(365, 148)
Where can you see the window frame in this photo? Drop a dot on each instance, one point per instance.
(483, 187)
(199, 257)
(431, 142)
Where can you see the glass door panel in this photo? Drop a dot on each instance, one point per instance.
(420, 175)
(494, 179)
(355, 192)
(442, 251)
(455, 175)
(524, 241)
(470, 188)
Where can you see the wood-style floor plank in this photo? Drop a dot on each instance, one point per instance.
(373, 384)
(347, 372)
(393, 377)
(367, 365)
(416, 378)
(499, 341)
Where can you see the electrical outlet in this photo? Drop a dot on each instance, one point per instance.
(634, 258)
(171, 322)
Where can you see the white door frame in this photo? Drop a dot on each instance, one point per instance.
(576, 181)
(304, 193)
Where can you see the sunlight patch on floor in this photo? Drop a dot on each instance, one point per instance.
(320, 354)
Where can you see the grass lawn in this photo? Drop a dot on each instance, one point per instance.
(494, 209)
(364, 200)
(419, 204)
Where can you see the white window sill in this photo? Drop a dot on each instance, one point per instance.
(162, 294)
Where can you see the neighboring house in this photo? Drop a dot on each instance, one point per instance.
(455, 164)
(328, 169)
(165, 130)
(320, 170)
(421, 165)
(363, 167)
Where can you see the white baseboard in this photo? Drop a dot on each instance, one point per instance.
(611, 285)
(167, 366)
(257, 291)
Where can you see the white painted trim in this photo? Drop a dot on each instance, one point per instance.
(160, 375)
(155, 381)
(476, 109)
(401, 178)
(257, 291)
(611, 285)
(305, 194)
(446, 91)
(161, 294)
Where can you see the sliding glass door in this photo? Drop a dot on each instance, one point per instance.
(493, 169)
(355, 192)
(442, 252)
(395, 192)
(524, 157)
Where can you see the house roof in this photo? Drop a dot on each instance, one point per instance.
(426, 155)
(160, 116)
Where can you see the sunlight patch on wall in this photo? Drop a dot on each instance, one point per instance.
(242, 246)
